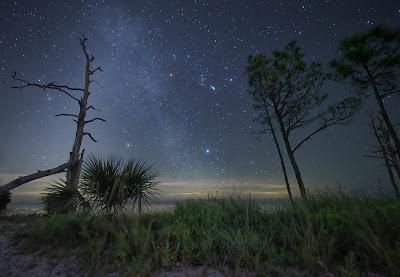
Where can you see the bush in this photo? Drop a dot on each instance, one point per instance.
(107, 185)
(60, 198)
(5, 199)
(110, 183)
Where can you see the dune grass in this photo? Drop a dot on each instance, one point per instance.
(327, 233)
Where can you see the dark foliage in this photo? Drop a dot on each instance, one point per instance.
(60, 198)
(5, 199)
(110, 184)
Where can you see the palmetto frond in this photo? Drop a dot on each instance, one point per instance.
(138, 179)
(110, 183)
(60, 198)
(100, 182)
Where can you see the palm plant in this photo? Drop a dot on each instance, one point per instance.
(138, 179)
(100, 182)
(60, 198)
(110, 184)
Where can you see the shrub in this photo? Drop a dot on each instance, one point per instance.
(5, 199)
(110, 183)
(59, 198)
(107, 185)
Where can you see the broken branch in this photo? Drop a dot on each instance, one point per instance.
(94, 119)
(52, 86)
(90, 136)
(40, 174)
(96, 69)
(93, 108)
(67, 114)
(97, 83)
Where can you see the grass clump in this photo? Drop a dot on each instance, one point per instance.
(326, 233)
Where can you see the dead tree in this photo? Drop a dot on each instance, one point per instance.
(81, 97)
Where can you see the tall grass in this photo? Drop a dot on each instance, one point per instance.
(323, 234)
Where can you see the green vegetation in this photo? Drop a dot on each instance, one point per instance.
(326, 233)
(60, 198)
(5, 199)
(87, 212)
(370, 63)
(106, 185)
(288, 93)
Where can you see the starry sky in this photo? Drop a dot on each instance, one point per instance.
(174, 92)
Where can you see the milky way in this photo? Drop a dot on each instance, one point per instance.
(173, 89)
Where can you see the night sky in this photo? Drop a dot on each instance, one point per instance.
(174, 90)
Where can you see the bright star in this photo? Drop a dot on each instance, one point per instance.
(203, 80)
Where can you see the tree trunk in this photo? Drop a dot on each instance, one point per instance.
(394, 157)
(397, 168)
(386, 159)
(291, 157)
(73, 172)
(278, 149)
(296, 169)
(391, 176)
(383, 112)
(40, 174)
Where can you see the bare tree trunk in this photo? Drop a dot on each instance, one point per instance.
(397, 168)
(73, 172)
(296, 169)
(386, 159)
(278, 149)
(291, 157)
(391, 176)
(394, 157)
(383, 112)
(40, 174)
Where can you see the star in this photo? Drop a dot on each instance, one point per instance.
(174, 89)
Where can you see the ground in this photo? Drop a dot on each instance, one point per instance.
(15, 263)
